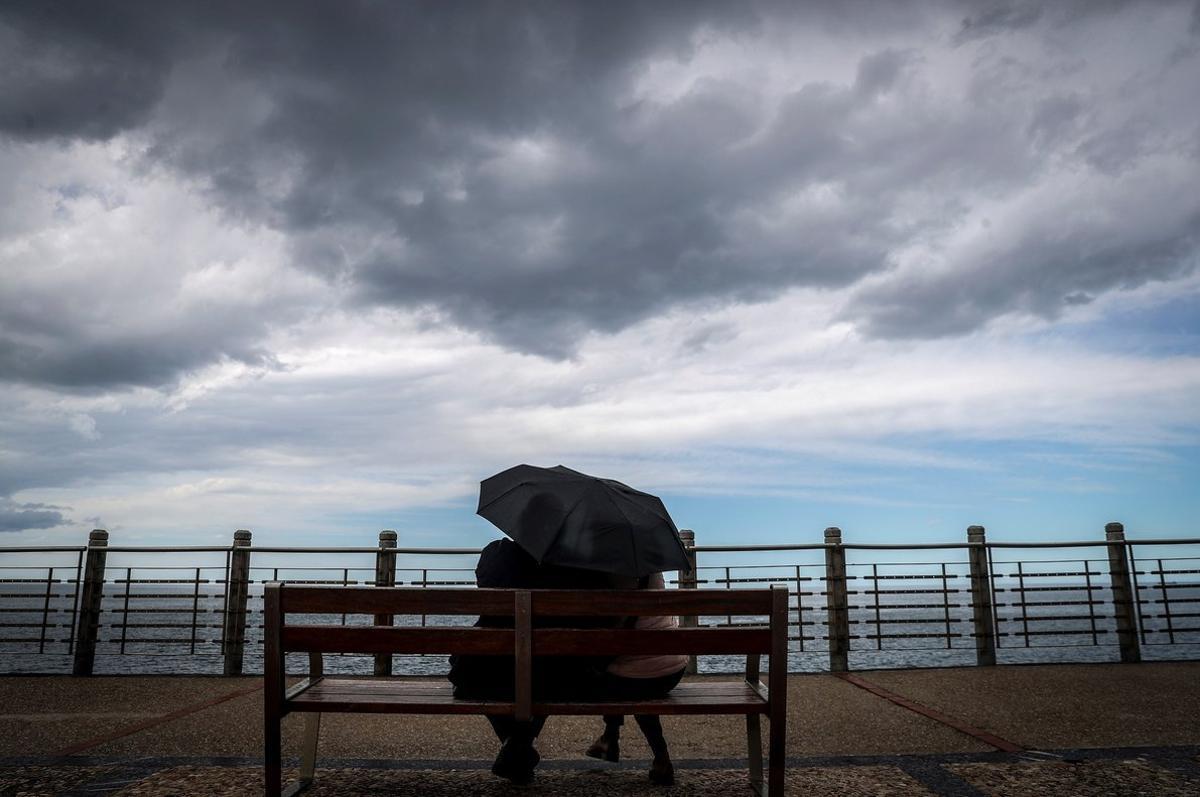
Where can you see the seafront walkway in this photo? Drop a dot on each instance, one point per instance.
(1079, 729)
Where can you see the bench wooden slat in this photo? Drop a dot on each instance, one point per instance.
(651, 602)
(384, 639)
(698, 641)
(394, 600)
(343, 695)
(367, 685)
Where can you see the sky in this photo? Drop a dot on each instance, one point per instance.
(316, 269)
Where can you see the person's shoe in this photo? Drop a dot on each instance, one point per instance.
(516, 761)
(605, 749)
(662, 773)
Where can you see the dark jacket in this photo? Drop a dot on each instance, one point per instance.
(505, 565)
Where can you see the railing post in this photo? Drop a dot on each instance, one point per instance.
(836, 601)
(1122, 592)
(385, 576)
(981, 598)
(237, 593)
(688, 581)
(87, 625)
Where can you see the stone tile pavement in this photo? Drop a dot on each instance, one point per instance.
(1117, 729)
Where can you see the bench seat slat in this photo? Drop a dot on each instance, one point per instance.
(398, 696)
(385, 639)
(357, 686)
(394, 600)
(651, 602)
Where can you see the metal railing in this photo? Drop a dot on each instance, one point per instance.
(853, 606)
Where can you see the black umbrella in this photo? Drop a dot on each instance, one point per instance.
(564, 517)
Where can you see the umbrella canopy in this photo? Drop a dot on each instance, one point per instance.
(564, 517)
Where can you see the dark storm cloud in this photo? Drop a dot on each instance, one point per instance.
(82, 70)
(82, 364)
(491, 162)
(16, 516)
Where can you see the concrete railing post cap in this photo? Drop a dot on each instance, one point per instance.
(387, 534)
(241, 534)
(98, 535)
(975, 532)
(833, 532)
(1114, 529)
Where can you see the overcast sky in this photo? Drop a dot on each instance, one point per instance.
(315, 269)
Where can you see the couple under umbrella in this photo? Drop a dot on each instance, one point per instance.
(570, 530)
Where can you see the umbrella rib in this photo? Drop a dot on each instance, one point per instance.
(501, 495)
(563, 525)
(629, 523)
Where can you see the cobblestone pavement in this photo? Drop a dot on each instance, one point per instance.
(1114, 729)
(1165, 771)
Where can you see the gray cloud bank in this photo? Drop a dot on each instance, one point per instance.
(16, 516)
(539, 171)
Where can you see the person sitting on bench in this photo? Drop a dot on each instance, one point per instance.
(641, 677)
(505, 565)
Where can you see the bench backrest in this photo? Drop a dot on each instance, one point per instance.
(524, 640)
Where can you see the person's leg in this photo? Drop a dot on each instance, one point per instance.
(501, 726)
(662, 771)
(608, 746)
(517, 757)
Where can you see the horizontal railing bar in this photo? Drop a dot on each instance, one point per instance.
(156, 640)
(163, 611)
(43, 549)
(1053, 603)
(317, 549)
(32, 580)
(905, 591)
(698, 549)
(203, 596)
(1067, 574)
(1056, 588)
(167, 549)
(909, 636)
(160, 580)
(1069, 632)
(903, 621)
(335, 582)
(917, 576)
(160, 625)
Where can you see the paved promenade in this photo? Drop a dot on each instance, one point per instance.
(1057, 730)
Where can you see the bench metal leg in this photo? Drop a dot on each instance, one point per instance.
(777, 753)
(308, 756)
(754, 748)
(272, 757)
(308, 750)
(295, 788)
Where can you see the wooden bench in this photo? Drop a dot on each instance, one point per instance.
(318, 694)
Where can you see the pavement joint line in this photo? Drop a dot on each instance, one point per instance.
(941, 781)
(137, 727)
(951, 722)
(1171, 756)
